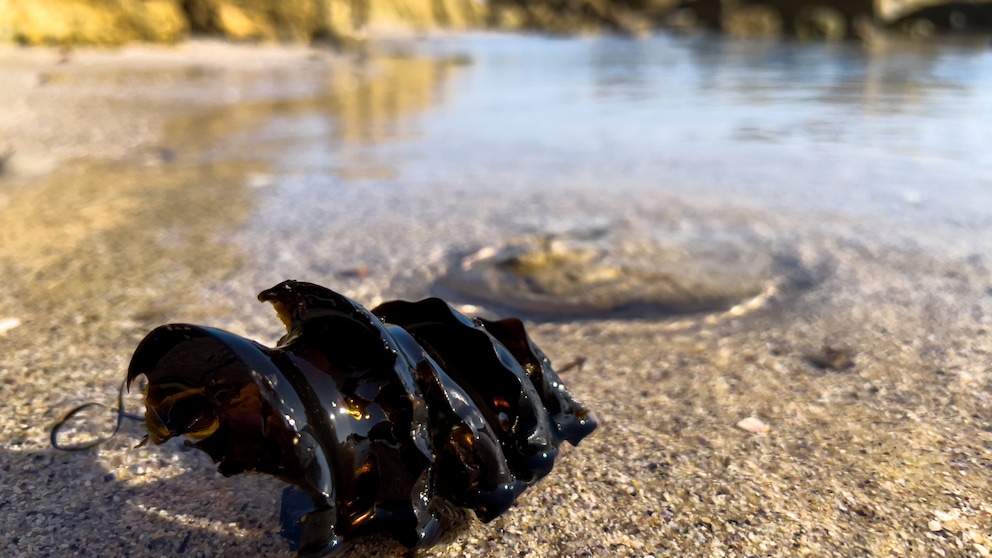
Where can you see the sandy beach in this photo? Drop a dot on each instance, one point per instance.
(848, 415)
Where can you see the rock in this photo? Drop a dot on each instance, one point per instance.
(683, 19)
(823, 19)
(923, 19)
(234, 23)
(254, 20)
(894, 10)
(462, 14)
(338, 20)
(108, 22)
(634, 17)
(831, 357)
(115, 22)
(454, 14)
(507, 18)
(819, 23)
(752, 21)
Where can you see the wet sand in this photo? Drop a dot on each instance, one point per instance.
(163, 203)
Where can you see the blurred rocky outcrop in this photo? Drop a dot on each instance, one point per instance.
(836, 19)
(339, 20)
(571, 16)
(931, 18)
(99, 22)
(805, 19)
(112, 22)
(823, 19)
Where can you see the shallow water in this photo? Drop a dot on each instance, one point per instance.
(895, 131)
(417, 153)
(497, 137)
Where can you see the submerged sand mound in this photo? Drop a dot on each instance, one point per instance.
(622, 270)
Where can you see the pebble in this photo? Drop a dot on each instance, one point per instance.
(753, 425)
(7, 324)
(935, 525)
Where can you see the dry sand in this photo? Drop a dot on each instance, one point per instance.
(720, 437)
